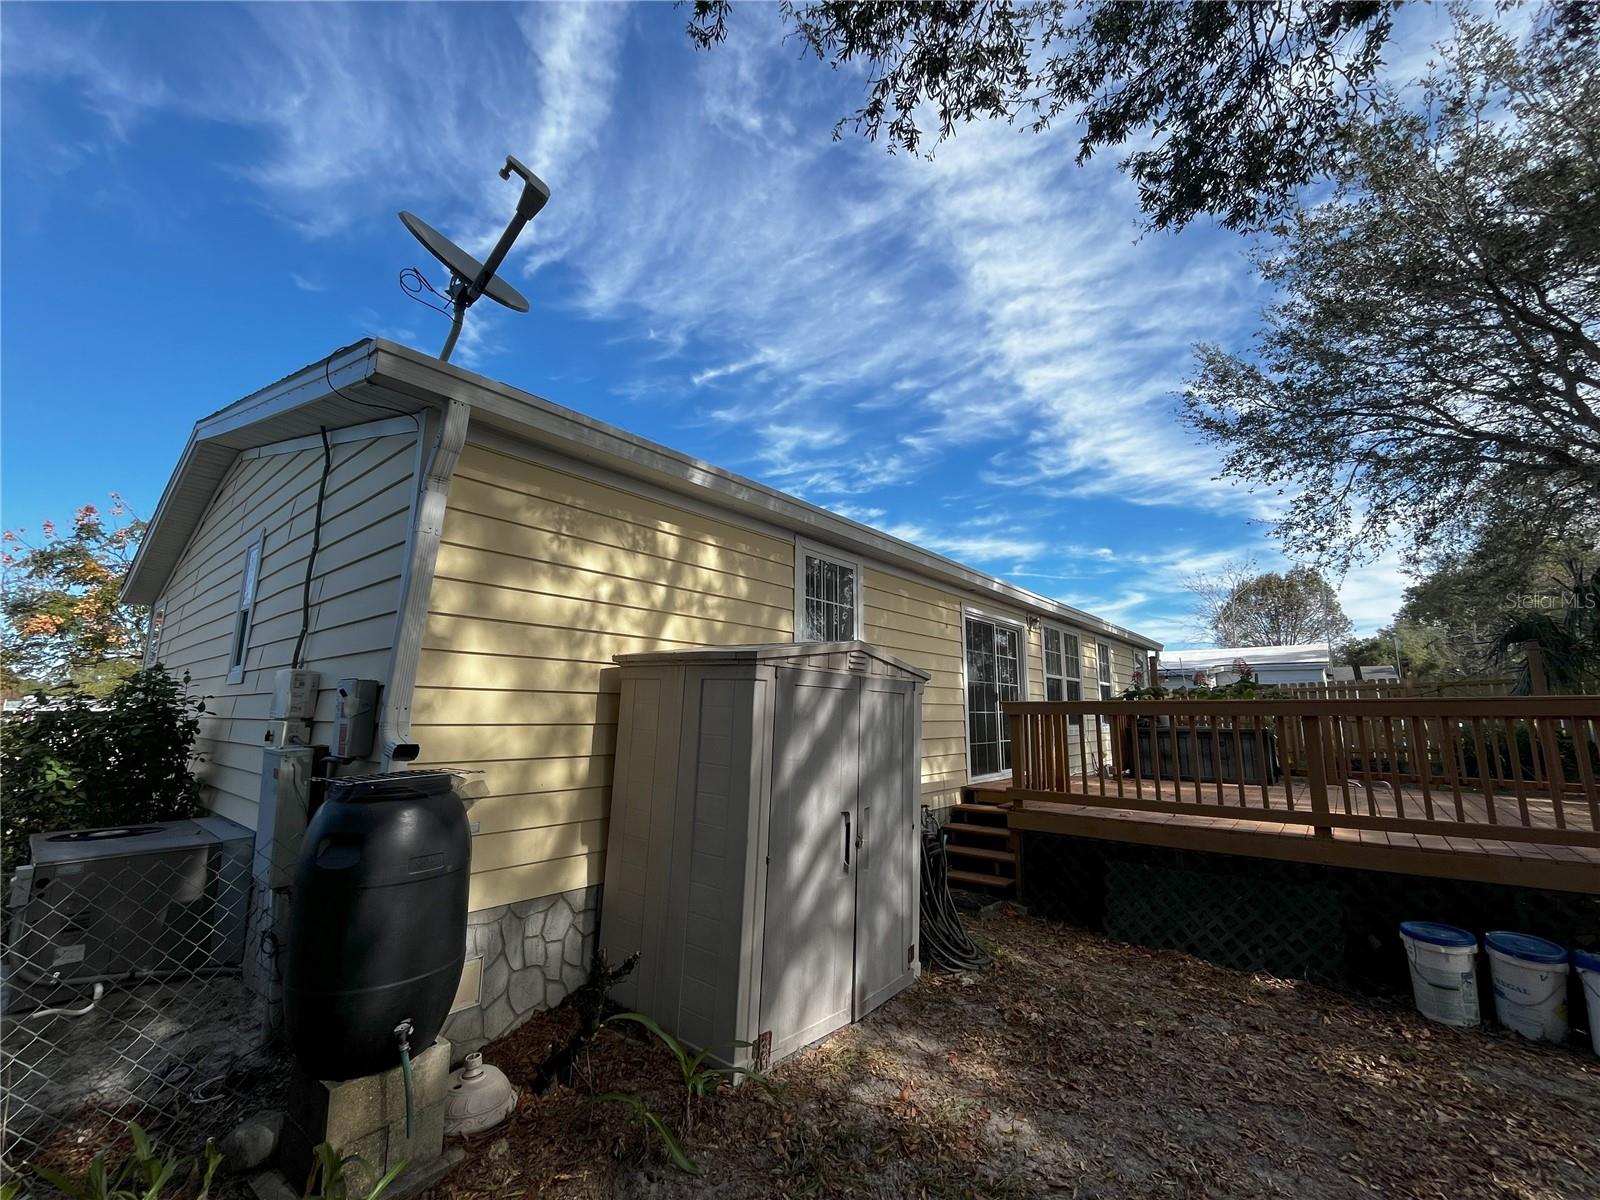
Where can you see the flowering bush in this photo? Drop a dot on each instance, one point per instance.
(60, 598)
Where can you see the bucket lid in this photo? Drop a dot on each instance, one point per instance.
(1525, 946)
(1587, 960)
(1436, 934)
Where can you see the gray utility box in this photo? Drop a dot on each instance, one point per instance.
(763, 854)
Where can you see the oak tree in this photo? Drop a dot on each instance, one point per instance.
(1435, 348)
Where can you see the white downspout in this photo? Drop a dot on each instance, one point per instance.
(398, 744)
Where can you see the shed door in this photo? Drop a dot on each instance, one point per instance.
(807, 971)
(885, 871)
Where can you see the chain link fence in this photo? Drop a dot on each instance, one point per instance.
(137, 983)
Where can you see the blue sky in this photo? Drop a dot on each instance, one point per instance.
(977, 352)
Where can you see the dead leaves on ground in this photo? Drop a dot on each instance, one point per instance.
(1081, 1067)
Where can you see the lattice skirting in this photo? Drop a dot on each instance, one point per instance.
(1298, 920)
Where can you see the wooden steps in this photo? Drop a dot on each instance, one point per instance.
(980, 879)
(980, 847)
(983, 852)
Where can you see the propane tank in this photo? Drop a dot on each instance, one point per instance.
(480, 1097)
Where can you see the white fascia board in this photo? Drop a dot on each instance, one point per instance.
(341, 369)
(197, 474)
(582, 437)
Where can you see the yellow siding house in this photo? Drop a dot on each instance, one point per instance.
(483, 555)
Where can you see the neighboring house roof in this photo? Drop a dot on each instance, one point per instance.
(1256, 656)
(375, 378)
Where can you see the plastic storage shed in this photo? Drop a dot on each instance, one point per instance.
(763, 852)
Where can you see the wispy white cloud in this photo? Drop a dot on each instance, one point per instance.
(875, 333)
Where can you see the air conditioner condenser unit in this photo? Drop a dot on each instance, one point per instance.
(135, 901)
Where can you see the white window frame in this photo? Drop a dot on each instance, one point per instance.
(803, 549)
(1102, 666)
(152, 632)
(245, 612)
(1075, 659)
(993, 618)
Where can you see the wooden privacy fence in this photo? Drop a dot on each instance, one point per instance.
(1505, 768)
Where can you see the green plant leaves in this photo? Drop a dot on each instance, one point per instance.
(648, 1117)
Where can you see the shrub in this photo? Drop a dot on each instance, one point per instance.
(76, 762)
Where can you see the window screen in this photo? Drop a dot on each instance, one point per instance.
(1062, 666)
(246, 610)
(1103, 652)
(828, 612)
(994, 675)
(152, 637)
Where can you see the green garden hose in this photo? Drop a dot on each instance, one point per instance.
(402, 1035)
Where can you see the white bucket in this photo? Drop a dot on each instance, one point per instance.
(1444, 971)
(1530, 984)
(1589, 975)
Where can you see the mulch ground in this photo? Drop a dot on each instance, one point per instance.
(1076, 1066)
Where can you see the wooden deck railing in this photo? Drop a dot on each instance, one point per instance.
(1511, 769)
(1381, 689)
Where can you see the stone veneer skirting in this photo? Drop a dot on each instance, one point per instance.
(534, 953)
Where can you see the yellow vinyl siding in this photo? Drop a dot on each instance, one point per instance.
(921, 624)
(355, 594)
(542, 577)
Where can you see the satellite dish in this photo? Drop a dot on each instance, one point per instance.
(469, 278)
(462, 265)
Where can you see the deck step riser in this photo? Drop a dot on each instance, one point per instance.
(982, 853)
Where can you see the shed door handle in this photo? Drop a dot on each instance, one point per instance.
(846, 816)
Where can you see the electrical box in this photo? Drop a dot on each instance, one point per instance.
(283, 808)
(294, 695)
(356, 721)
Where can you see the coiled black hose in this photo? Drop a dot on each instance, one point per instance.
(944, 940)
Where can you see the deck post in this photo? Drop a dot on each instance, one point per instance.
(1538, 676)
(1316, 773)
(1014, 732)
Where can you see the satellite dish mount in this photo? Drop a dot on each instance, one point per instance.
(470, 279)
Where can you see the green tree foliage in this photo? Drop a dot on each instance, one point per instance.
(1426, 653)
(76, 762)
(64, 620)
(1234, 105)
(1242, 607)
(1436, 346)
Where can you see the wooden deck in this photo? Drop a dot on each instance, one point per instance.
(1299, 781)
(1445, 856)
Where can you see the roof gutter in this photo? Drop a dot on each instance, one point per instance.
(576, 435)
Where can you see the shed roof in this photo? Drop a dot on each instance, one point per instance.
(376, 377)
(812, 653)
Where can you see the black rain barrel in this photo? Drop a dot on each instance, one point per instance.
(378, 921)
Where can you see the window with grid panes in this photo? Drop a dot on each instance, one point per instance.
(1063, 678)
(828, 602)
(994, 675)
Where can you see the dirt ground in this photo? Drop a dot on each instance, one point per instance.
(1075, 1067)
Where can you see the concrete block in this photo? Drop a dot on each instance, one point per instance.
(359, 1116)
(426, 1142)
